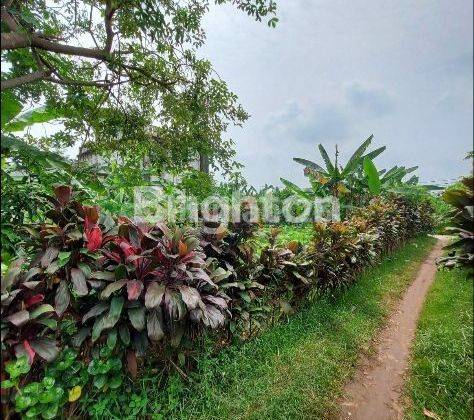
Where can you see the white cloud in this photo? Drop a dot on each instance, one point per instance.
(338, 71)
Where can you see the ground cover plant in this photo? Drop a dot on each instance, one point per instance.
(440, 380)
(116, 291)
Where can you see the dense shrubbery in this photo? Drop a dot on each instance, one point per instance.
(461, 198)
(113, 288)
(342, 249)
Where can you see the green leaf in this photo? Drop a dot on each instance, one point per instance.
(115, 382)
(63, 257)
(372, 176)
(79, 338)
(17, 367)
(50, 412)
(7, 384)
(22, 402)
(245, 296)
(137, 318)
(85, 269)
(40, 310)
(48, 159)
(124, 334)
(327, 161)
(50, 323)
(112, 339)
(62, 298)
(355, 159)
(112, 287)
(95, 310)
(100, 381)
(374, 153)
(115, 310)
(41, 114)
(309, 164)
(296, 189)
(10, 107)
(98, 327)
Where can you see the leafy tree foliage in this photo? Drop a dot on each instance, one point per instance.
(115, 68)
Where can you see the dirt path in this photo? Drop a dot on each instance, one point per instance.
(375, 390)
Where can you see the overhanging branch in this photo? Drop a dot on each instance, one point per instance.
(23, 80)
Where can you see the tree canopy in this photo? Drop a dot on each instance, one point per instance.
(124, 75)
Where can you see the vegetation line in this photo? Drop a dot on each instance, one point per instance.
(440, 382)
(297, 369)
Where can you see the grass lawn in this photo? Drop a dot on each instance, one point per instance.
(442, 365)
(296, 369)
(302, 233)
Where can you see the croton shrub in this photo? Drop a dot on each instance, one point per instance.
(125, 287)
(340, 250)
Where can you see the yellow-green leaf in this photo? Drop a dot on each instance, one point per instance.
(75, 393)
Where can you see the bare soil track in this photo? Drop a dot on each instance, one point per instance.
(374, 393)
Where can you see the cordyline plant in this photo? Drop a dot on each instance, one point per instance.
(126, 280)
(155, 285)
(27, 326)
(237, 269)
(341, 250)
(333, 256)
(69, 248)
(288, 269)
(234, 255)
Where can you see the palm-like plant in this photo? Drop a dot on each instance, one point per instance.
(334, 179)
(368, 178)
(462, 199)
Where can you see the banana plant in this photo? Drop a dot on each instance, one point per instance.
(394, 176)
(461, 198)
(372, 174)
(370, 179)
(334, 179)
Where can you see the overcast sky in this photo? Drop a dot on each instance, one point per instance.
(336, 71)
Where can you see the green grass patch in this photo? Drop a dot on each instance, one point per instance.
(302, 233)
(442, 356)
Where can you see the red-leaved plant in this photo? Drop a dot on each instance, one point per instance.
(69, 247)
(155, 285)
(28, 325)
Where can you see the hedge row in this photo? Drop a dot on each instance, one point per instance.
(116, 290)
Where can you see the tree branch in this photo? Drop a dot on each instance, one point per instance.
(15, 39)
(103, 84)
(23, 80)
(109, 13)
(12, 40)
